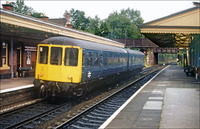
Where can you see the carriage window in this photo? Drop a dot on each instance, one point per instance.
(130, 59)
(56, 56)
(101, 60)
(71, 57)
(133, 59)
(96, 60)
(43, 55)
(124, 59)
(115, 60)
(105, 60)
(136, 59)
(110, 60)
(89, 59)
(121, 59)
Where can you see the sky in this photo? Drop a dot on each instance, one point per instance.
(150, 10)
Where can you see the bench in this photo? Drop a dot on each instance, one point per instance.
(24, 70)
(189, 69)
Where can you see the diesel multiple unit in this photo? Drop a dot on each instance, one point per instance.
(71, 66)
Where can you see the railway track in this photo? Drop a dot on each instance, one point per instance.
(98, 113)
(69, 114)
(29, 116)
(16, 99)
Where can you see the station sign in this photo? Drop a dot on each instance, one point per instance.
(28, 48)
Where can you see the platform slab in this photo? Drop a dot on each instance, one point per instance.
(171, 100)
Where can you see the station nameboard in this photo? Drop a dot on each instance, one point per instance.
(28, 48)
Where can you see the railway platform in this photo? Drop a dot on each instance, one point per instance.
(7, 85)
(170, 100)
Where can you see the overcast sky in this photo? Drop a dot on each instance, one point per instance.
(150, 10)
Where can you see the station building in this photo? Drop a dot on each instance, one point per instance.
(20, 35)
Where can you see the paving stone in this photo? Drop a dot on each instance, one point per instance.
(171, 100)
(154, 105)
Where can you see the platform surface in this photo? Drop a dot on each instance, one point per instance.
(171, 100)
(14, 83)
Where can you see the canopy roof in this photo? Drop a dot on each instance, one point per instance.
(175, 30)
(16, 24)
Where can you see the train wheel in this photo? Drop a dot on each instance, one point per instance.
(43, 92)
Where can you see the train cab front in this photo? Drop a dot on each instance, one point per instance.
(58, 69)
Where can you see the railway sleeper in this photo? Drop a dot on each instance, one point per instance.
(100, 111)
(95, 121)
(78, 127)
(88, 124)
(101, 114)
(106, 108)
(95, 117)
(111, 105)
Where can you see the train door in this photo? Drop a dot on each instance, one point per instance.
(89, 71)
(84, 62)
(101, 64)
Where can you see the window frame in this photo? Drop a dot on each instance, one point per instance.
(64, 57)
(90, 55)
(46, 57)
(5, 66)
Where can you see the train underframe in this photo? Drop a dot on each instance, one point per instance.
(52, 89)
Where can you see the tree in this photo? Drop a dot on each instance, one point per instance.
(115, 26)
(20, 7)
(104, 30)
(127, 20)
(78, 19)
(94, 26)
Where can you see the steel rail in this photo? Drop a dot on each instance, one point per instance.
(103, 100)
(25, 122)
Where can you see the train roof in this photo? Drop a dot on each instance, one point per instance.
(82, 44)
(86, 45)
(135, 52)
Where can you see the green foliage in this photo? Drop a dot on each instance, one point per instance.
(36, 14)
(167, 58)
(126, 20)
(78, 19)
(94, 25)
(20, 7)
(115, 26)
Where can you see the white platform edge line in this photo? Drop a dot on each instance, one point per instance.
(17, 88)
(126, 103)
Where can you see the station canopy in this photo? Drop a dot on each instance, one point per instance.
(24, 26)
(175, 30)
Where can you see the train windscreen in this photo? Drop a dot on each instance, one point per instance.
(43, 55)
(71, 57)
(56, 56)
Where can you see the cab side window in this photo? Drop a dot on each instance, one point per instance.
(89, 59)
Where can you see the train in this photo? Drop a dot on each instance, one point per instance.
(72, 67)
